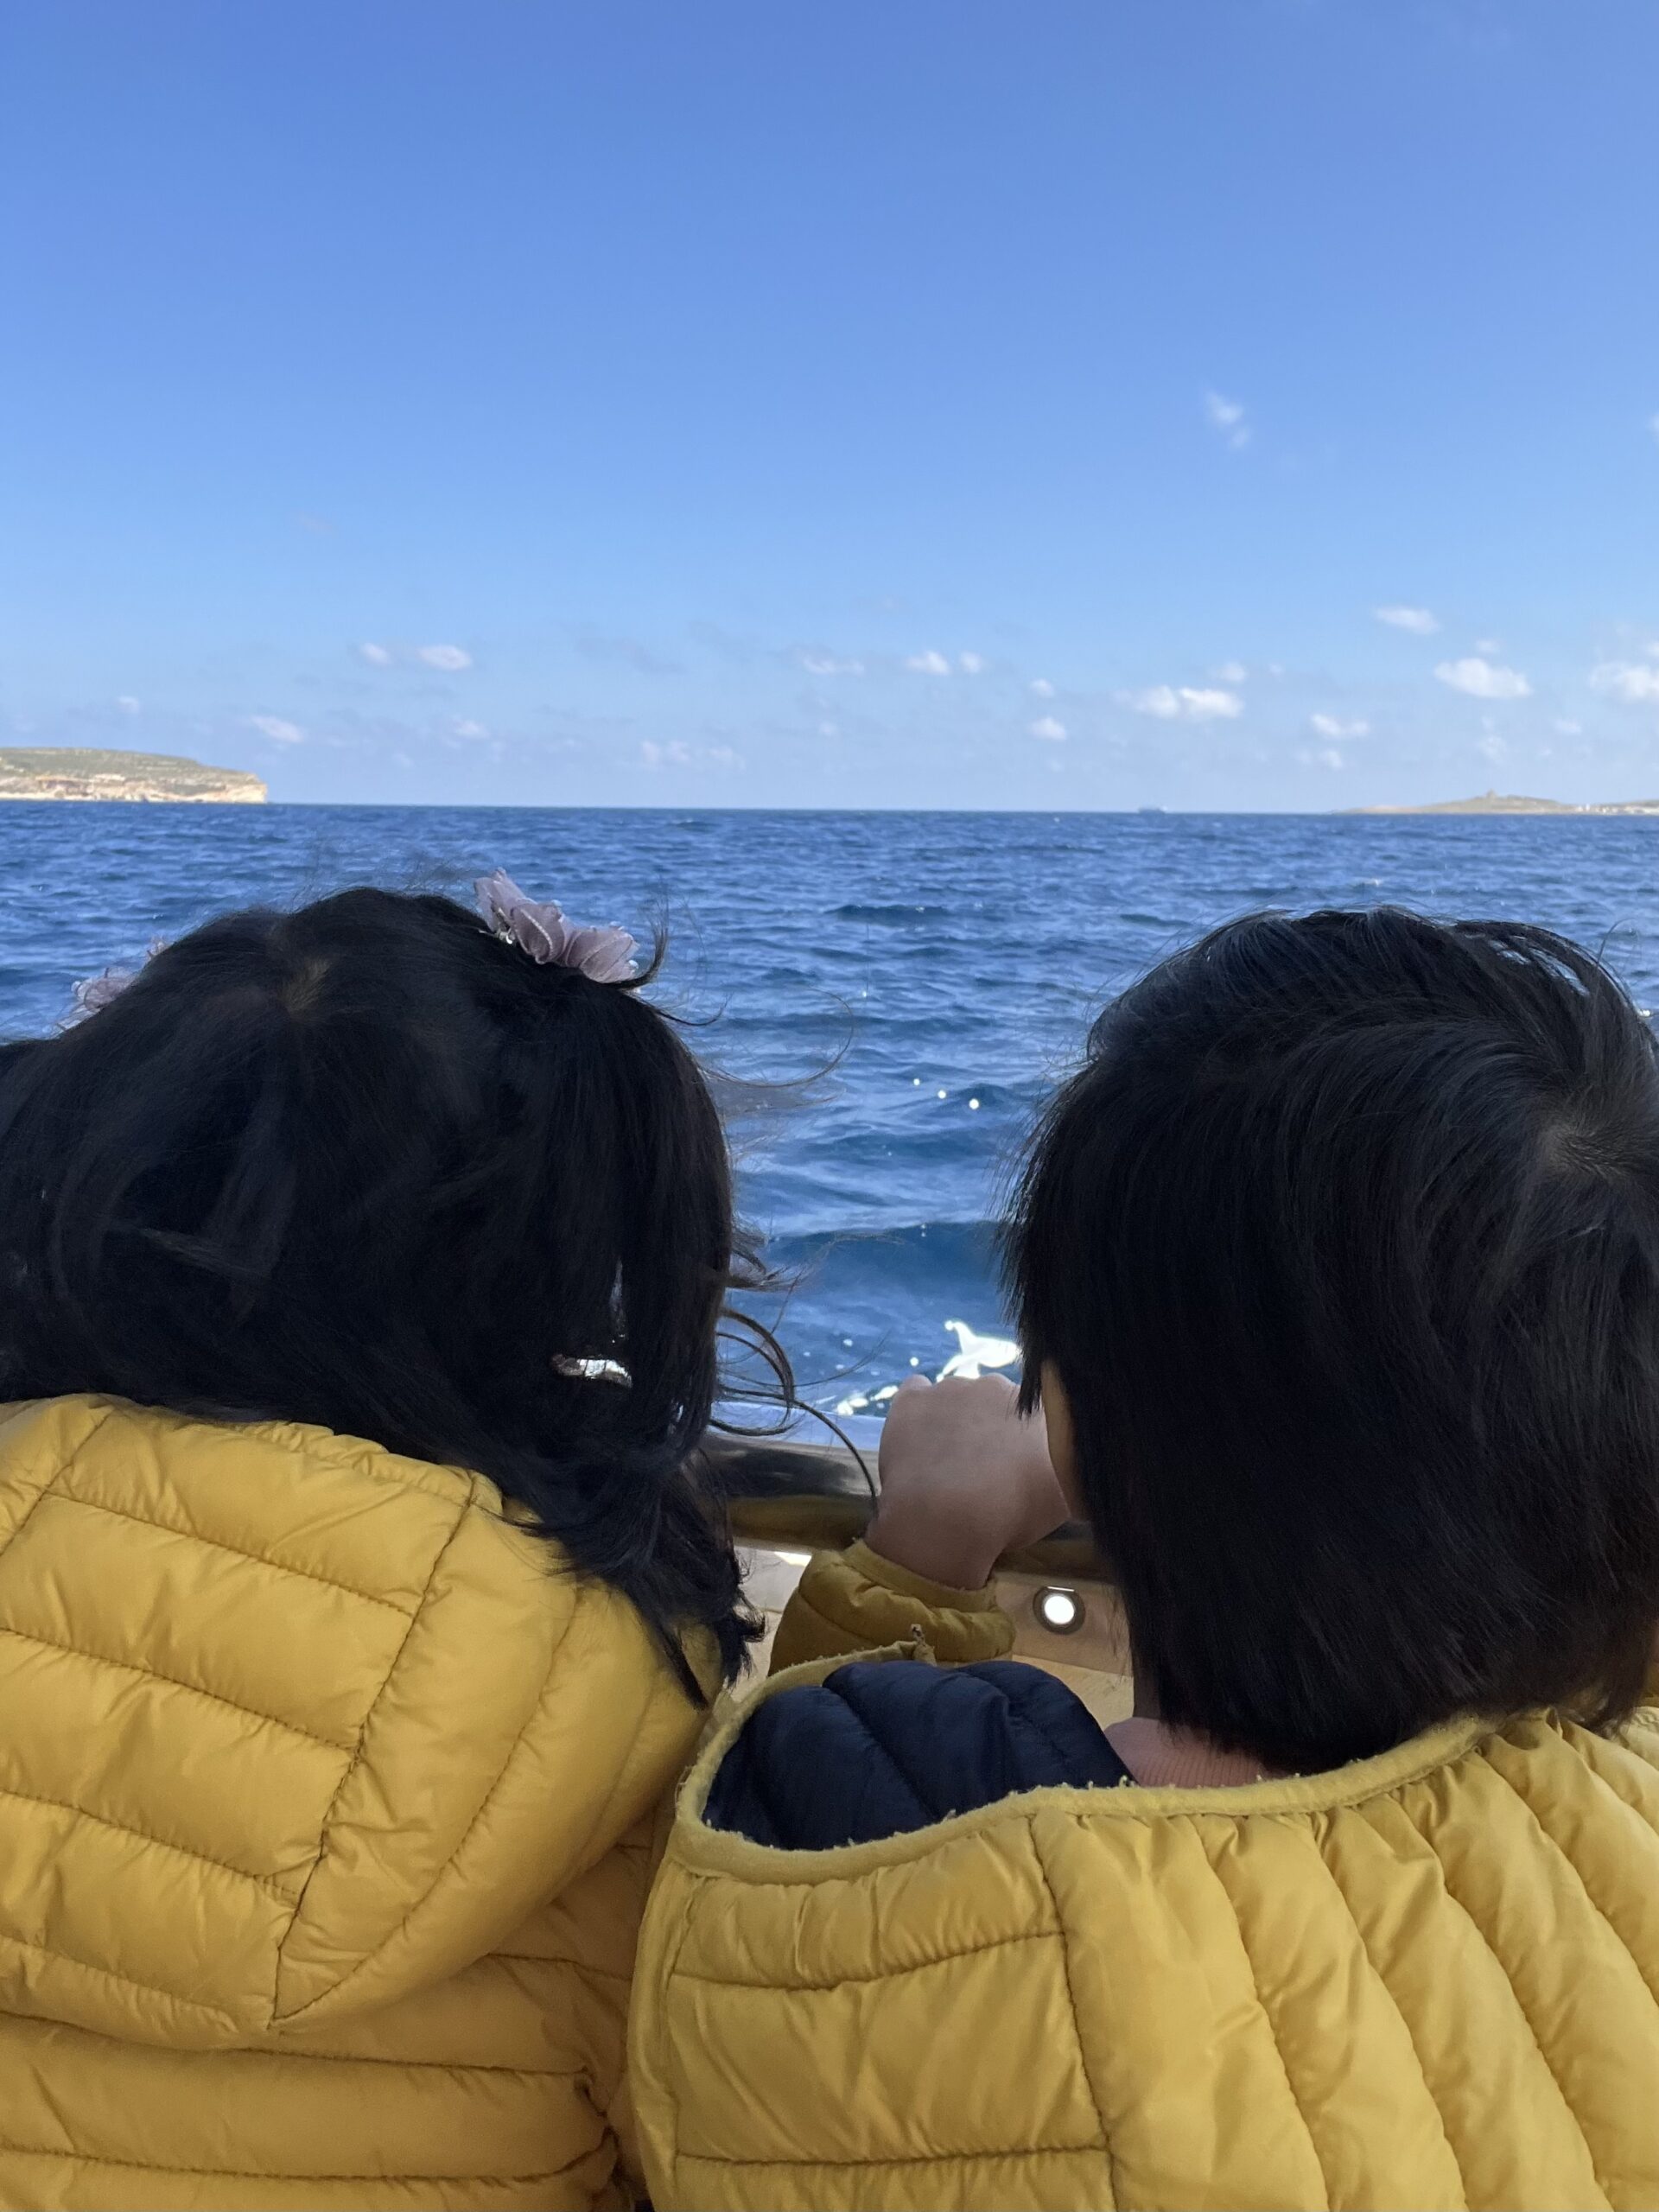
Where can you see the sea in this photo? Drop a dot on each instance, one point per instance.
(889, 997)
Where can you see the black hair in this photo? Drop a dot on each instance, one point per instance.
(1344, 1245)
(368, 1166)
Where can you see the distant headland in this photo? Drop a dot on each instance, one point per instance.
(1507, 803)
(37, 771)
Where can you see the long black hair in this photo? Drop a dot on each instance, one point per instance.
(1345, 1245)
(369, 1166)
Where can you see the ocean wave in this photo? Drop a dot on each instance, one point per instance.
(942, 1242)
(968, 955)
(896, 915)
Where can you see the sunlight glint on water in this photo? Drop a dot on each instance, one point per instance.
(947, 964)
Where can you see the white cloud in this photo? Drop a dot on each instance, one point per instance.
(449, 657)
(1493, 747)
(1480, 679)
(1653, 424)
(1228, 416)
(1042, 687)
(1160, 699)
(1047, 727)
(725, 756)
(1630, 681)
(128, 705)
(1210, 706)
(971, 664)
(1569, 729)
(376, 656)
(1323, 756)
(1418, 620)
(829, 729)
(1489, 646)
(929, 664)
(1328, 726)
(469, 729)
(1232, 671)
(1170, 703)
(278, 731)
(827, 665)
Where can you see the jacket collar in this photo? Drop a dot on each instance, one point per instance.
(700, 1846)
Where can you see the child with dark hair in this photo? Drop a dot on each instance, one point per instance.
(1337, 1272)
(359, 1276)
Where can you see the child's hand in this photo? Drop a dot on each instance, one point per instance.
(963, 1479)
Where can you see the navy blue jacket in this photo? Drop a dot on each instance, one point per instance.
(881, 1748)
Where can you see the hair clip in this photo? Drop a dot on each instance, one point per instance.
(603, 953)
(94, 993)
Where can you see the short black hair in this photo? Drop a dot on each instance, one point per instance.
(368, 1166)
(1345, 1245)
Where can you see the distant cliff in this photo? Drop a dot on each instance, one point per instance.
(76, 772)
(1507, 803)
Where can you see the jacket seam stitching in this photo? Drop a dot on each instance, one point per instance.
(264, 2174)
(484, 1804)
(126, 1980)
(807, 1604)
(1621, 1742)
(1033, 1725)
(671, 2079)
(571, 1965)
(448, 2066)
(1400, 2013)
(1220, 1881)
(54, 1479)
(918, 2158)
(30, 1510)
(885, 1973)
(357, 1455)
(875, 1570)
(1522, 1799)
(191, 1689)
(325, 1829)
(930, 1818)
(952, 1627)
(236, 1551)
(271, 1882)
(1096, 2098)
(1526, 2016)
(619, 1778)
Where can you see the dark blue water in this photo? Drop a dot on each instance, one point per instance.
(947, 964)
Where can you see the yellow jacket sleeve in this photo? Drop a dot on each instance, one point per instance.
(853, 1601)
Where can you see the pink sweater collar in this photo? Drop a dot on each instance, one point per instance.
(1161, 1758)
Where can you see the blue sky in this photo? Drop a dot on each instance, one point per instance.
(1094, 402)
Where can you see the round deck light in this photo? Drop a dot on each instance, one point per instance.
(1060, 1610)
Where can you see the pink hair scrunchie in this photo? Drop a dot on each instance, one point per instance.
(604, 953)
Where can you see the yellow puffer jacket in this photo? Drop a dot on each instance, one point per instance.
(326, 1817)
(1429, 1979)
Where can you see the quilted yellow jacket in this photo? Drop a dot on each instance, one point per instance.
(326, 1817)
(1429, 1979)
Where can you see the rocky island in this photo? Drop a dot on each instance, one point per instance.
(40, 772)
(1508, 803)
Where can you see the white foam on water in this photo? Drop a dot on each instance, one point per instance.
(976, 1352)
